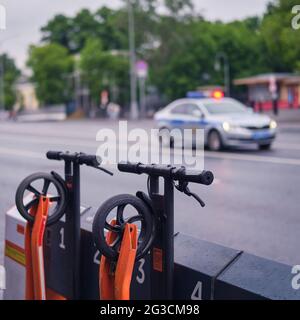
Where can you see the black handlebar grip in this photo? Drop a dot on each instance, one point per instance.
(205, 177)
(124, 166)
(89, 160)
(53, 155)
(179, 174)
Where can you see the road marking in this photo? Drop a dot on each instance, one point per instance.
(73, 140)
(22, 153)
(33, 155)
(50, 141)
(243, 157)
(78, 143)
(211, 154)
(287, 146)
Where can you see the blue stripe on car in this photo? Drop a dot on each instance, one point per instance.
(176, 122)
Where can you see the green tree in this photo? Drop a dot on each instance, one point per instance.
(10, 75)
(187, 53)
(73, 32)
(110, 29)
(282, 46)
(85, 26)
(103, 70)
(180, 45)
(58, 30)
(51, 65)
(179, 8)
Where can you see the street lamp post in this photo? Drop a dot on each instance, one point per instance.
(142, 82)
(219, 57)
(133, 80)
(142, 73)
(2, 99)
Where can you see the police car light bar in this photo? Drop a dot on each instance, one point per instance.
(196, 95)
(216, 94)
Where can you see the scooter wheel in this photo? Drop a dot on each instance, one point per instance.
(101, 225)
(39, 184)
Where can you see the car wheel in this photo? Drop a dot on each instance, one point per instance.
(265, 146)
(214, 141)
(165, 139)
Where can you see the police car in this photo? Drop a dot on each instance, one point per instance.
(226, 122)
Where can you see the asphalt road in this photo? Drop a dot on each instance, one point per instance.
(254, 204)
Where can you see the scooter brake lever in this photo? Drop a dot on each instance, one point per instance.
(104, 170)
(195, 196)
(183, 187)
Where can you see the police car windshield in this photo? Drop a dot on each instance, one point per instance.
(224, 107)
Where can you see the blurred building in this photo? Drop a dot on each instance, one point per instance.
(264, 89)
(26, 95)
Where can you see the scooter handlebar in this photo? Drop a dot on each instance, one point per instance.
(54, 155)
(129, 167)
(204, 177)
(89, 160)
(178, 174)
(81, 158)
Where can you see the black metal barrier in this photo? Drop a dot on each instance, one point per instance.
(203, 270)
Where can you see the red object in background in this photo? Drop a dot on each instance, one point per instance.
(267, 105)
(217, 94)
(104, 97)
(296, 98)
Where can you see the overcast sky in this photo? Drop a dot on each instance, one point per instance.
(26, 17)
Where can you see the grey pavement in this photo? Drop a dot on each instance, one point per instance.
(286, 116)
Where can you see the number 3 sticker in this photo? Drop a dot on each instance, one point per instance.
(141, 276)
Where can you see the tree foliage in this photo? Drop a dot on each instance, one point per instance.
(179, 44)
(10, 76)
(103, 70)
(52, 67)
(281, 40)
(73, 33)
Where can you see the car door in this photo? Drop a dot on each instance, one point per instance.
(186, 116)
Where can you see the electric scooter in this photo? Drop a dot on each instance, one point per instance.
(154, 214)
(52, 198)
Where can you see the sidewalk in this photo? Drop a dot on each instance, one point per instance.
(285, 116)
(54, 113)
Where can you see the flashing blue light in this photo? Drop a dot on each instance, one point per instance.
(195, 95)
